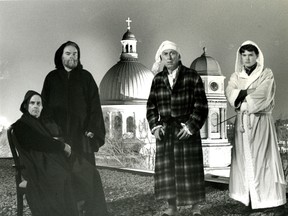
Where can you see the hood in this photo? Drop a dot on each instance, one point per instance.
(59, 52)
(27, 97)
(239, 64)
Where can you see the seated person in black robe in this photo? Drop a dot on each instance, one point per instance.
(54, 174)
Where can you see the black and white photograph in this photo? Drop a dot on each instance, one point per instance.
(143, 108)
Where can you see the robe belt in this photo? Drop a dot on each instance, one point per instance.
(177, 120)
(241, 114)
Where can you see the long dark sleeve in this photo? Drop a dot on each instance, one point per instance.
(45, 91)
(95, 116)
(47, 111)
(200, 108)
(152, 113)
(240, 98)
(29, 138)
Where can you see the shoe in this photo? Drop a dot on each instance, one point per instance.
(23, 184)
(174, 214)
(280, 211)
(169, 212)
(80, 207)
(196, 211)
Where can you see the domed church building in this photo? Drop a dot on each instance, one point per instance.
(216, 148)
(124, 91)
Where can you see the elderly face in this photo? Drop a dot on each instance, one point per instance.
(35, 106)
(70, 57)
(171, 59)
(249, 58)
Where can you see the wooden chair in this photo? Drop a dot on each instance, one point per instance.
(20, 182)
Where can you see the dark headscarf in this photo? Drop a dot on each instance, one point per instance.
(27, 97)
(44, 125)
(59, 53)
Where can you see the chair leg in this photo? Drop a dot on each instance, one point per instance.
(19, 204)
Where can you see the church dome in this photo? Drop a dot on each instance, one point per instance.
(127, 82)
(128, 35)
(206, 65)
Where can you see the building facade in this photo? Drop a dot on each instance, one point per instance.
(216, 148)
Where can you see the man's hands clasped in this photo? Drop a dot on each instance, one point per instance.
(183, 134)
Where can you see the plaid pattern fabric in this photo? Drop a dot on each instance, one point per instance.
(186, 98)
(179, 169)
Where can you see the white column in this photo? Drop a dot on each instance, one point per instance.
(209, 123)
(124, 125)
(110, 124)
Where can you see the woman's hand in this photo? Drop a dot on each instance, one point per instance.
(67, 150)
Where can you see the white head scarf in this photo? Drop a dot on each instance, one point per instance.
(164, 46)
(239, 67)
(239, 64)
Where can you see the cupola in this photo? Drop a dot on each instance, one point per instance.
(128, 81)
(206, 65)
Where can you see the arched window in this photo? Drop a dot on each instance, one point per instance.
(130, 124)
(215, 121)
(107, 124)
(118, 126)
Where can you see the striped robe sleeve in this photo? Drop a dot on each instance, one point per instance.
(200, 110)
(152, 114)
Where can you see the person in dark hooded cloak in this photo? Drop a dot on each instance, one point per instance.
(71, 94)
(58, 179)
(49, 189)
(72, 99)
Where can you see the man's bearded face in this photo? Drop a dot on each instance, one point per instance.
(70, 57)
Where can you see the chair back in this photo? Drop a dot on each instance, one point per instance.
(13, 143)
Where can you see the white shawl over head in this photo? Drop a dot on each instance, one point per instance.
(239, 67)
(165, 45)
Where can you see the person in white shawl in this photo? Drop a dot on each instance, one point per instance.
(256, 176)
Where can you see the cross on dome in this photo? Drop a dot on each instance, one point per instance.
(128, 23)
(204, 50)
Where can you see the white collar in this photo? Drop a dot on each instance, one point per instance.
(173, 73)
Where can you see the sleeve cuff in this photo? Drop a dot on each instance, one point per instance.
(155, 128)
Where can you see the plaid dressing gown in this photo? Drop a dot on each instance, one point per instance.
(179, 169)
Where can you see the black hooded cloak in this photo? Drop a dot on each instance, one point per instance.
(73, 100)
(55, 183)
(49, 189)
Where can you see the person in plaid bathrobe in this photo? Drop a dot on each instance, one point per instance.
(176, 110)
